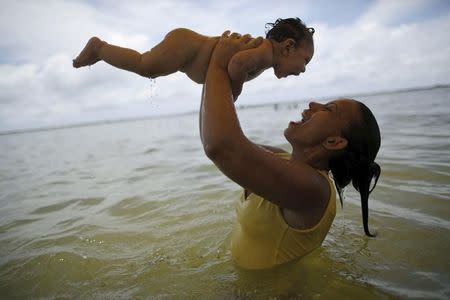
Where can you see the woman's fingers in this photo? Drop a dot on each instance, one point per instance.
(252, 43)
(229, 44)
(226, 33)
(257, 41)
(235, 35)
(246, 38)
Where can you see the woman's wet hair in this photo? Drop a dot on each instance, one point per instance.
(293, 28)
(356, 163)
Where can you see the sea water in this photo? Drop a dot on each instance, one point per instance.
(136, 210)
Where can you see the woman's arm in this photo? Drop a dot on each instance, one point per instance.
(285, 183)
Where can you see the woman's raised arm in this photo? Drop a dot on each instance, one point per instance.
(282, 182)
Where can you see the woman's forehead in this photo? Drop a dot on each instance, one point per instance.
(347, 109)
(345, 104)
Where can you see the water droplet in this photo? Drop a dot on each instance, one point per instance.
(153, 88)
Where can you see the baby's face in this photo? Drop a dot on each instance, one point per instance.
(293, 61)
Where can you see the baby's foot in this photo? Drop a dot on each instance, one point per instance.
(89, 55)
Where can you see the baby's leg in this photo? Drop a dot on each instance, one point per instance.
(169, 56)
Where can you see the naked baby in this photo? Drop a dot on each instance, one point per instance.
(287, 48)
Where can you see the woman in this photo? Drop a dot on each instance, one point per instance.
(289, 200)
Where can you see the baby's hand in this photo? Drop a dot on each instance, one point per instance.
(229, 45)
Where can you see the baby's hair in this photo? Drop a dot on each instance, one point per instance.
(292, 28)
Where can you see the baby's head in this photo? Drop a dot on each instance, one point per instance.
(293, 46)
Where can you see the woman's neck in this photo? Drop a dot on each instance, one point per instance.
(316, 157)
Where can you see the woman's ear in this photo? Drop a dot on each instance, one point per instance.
(335, 143)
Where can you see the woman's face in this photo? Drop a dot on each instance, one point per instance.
(293, 60)
(321, 122)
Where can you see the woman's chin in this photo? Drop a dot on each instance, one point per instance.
(287, 133)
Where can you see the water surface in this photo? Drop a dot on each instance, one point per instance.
(136, 210)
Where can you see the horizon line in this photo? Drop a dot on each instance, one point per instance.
(134, 119)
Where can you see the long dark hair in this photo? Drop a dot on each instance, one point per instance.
(293, 28)
(356, 163)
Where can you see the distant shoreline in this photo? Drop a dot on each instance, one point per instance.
(405, 90)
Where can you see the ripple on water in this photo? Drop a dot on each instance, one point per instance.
(81, 202)
(17, 223)
(90, 201)
(133, 207)
(53, 207)
(150, 167)
(150, 150)
(60, 182)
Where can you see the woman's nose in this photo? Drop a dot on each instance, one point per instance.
(314, 106)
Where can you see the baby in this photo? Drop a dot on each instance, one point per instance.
(287, 48)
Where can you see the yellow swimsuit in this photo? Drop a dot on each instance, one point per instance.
(262, 239)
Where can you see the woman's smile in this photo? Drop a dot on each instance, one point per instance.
(305, 118)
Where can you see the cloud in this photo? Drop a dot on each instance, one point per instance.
(388, 12)
(40, 88)
(370, 55)
(375, 56)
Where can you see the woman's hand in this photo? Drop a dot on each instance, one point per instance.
(230, 44)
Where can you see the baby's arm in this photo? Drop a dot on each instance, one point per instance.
(246, 65)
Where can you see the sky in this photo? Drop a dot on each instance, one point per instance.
(360, 46)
